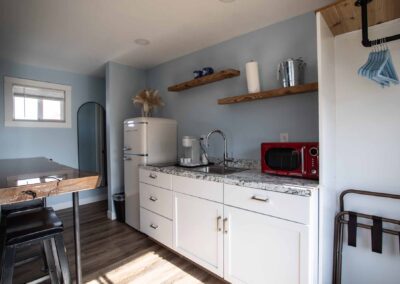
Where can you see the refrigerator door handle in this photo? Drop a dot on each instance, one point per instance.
(133, 154)
(126, 148)
(135, 122)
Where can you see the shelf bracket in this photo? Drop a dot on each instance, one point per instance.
(364, 26)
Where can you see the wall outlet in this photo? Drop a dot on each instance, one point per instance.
(284, 137)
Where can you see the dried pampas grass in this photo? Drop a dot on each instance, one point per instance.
(149, 99)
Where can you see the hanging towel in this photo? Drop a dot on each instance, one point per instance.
(352, 229)
(376, 234)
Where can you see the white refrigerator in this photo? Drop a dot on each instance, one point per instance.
(147, 140)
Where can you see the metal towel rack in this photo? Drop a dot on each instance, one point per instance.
(341, 220)
(364, 25)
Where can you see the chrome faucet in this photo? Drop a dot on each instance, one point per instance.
(226, 159)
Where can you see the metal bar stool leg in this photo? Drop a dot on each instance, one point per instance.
(50, 262)
(2, 246)
(56, 258)
(2, 254)
(45, 266)
(8, 265)
(62, 257)
(77, 237)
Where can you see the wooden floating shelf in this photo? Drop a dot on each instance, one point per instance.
(218, 76)
(343, 16)
(311, 87)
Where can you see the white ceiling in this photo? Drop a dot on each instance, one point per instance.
(82, 35)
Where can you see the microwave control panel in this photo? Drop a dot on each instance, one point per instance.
(313, 153)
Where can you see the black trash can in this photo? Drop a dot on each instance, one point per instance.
(119, 204)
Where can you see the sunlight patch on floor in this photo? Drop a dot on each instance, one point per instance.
(146, 268)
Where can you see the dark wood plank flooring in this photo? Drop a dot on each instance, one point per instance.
(113, 252)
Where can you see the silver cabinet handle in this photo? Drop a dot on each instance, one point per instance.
(127, 158)
(152, 175)
(219, 218)
(153, 226)
(260, 198)
(225, 225)
(126, 148)
(153, 198)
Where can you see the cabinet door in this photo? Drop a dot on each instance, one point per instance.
(198, 231)
(264, 249)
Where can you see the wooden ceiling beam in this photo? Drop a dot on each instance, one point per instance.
(343, 16)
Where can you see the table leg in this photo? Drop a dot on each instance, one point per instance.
(77, 237)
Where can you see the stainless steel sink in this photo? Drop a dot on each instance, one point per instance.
(220, 170)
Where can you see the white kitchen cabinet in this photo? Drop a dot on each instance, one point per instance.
(155, 178)
(156, 227)
(285, 206)
(198, 232)
(242, 234)
(156, 199)
(205, 189)
(263, 249)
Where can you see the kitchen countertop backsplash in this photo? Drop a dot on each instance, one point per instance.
(253, 177)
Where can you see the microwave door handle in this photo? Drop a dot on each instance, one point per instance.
(302, 159)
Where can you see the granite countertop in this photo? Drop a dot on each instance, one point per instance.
(252, 178)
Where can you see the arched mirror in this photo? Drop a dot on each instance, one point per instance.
(92, 140)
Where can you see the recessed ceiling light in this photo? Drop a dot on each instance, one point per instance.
(142, 41)
(226, 1)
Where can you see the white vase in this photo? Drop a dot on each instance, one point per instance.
(146, 109)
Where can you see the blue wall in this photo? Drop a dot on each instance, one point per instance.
(246, 124)
(60, 144)
(122, 83)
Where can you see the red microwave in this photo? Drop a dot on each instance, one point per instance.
(291, 159)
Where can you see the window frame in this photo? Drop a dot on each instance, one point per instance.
(9, 120)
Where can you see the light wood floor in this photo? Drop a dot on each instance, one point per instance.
(115, 253)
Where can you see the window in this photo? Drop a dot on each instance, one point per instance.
(36, 104)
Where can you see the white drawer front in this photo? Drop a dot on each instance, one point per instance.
(156, 199)
(285, 206)
(200, 188)
(155, 178)
(156, 227)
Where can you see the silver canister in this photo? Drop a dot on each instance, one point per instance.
(291, 72)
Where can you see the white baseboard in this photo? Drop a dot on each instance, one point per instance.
(82, 201)
(111, 215)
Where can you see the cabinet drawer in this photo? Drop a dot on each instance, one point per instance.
(200, 188)
(156, 227)
(156, 199)
(155, 178)
(281, 205)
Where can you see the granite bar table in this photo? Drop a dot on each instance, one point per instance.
(29, 178)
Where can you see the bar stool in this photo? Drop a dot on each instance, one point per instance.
(21, 206)
(34, 226)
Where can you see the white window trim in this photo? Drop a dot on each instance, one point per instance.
(9, 104)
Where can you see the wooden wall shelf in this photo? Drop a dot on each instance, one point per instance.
(311, 87)
(218, 76)
(343, 16)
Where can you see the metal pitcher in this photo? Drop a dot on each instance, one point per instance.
(291, 72)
